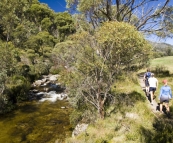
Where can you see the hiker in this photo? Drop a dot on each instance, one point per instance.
(165, 95)
(153, 84)
(146, 77)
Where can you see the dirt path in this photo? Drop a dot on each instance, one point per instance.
(155, 107)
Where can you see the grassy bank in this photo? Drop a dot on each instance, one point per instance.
(129, 119)
(165, 62)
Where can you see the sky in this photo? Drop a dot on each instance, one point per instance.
(56, 5)
(60, 6)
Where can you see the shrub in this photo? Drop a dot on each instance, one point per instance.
(161, 71)
(17, 88)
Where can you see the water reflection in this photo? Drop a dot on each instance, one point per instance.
(35, 122)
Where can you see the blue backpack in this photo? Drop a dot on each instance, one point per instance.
(148, 74)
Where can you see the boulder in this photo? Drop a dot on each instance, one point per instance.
(79, 129)
(38, 82)
(53, 77)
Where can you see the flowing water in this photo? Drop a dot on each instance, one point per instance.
(36, 122)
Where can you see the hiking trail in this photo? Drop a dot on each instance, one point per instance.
(155, 107)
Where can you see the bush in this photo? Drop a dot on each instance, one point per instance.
(164, 132)
(17, 88)
(161, 71)
(55, 70)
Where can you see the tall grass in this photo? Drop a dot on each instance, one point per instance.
(166, 62)
(127, 119)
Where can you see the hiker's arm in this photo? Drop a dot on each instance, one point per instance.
(160, 93)
(170, 92)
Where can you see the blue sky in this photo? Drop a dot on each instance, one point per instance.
(60, 6)
(56, 5)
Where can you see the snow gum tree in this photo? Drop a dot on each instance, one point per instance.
(93, 62)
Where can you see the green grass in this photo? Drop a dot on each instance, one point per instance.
(166, 62)
(130, 119)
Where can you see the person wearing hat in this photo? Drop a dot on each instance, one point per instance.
(165, 95)
(147, 75)
(153, 84)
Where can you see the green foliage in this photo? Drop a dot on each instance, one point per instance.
(17, 88)
(161, 71)
(126, 45)
(164, 131)
(81, 24)
(23, 70)
(55, 70)
(3, 98)
(92, 62)
(132, 136)
(46, 24)
(167, 23)
(64, 25)
(118, 126)
(37, 12)
(162, 49)
(8, 57)
(75, 117)
(99, 11)
(162, 64)
(28, 33)
(39, 41)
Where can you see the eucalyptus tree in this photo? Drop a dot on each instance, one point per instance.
(64, 24)
(38, 12)
(22, 32)
(13, 21)
(8, 19)
(167, 22)
(8, 68)
(93, 62)
(3, 97)
(39, 41)
(138, 13)
(81, 24)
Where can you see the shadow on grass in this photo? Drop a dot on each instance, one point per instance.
(131, 98)
(163, 132)
(127, 100)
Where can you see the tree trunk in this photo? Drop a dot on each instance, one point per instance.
(101, 109)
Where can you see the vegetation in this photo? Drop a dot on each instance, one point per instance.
(96, 51)
(162, 49)
(162, 64)
(129, 118)
(141, 14)
(98, 60)
(28, 32)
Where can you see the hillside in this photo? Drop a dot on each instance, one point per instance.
(161, 49)
(161, 45)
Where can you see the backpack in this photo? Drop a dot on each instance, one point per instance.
(148, 74)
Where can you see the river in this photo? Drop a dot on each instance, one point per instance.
(36, 122)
